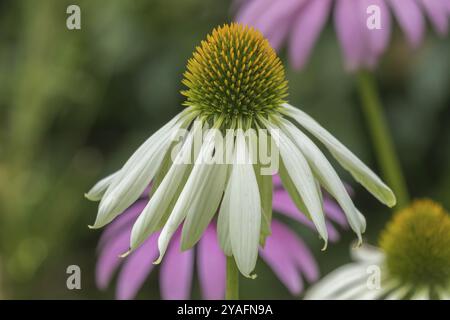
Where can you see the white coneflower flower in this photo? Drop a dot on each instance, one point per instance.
(235, 81)
(413, 261)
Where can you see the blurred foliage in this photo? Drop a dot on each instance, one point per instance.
(75, 104)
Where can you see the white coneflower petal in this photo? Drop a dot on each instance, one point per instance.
(223, 223)
(208, 198)
(264, 180)
(399, 293)
(302, 177)
(170, 187)
(354, 292)
(136, 174)
(99, 189)
(377, 293)
(367, 253)
(327, 175)
(421, 294)
(245, 209)
(345, 157)
(363, 221)
(197, 179)
(223, 218)
(331, 285)
(318, 188)
(352, 281)
(444, 294)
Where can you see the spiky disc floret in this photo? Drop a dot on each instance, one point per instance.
(417, 244)
(235, 73)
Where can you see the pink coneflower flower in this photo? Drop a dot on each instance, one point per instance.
(299, 23)
(284, 251)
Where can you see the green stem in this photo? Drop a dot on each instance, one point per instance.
(232, 290)
(381, 138)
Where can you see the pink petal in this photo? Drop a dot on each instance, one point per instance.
(277, 35)
(276, 181)
(333, 234)
(136, 269)
(123, 221)
(145, 194)
(251, 10)
(306, 29)
(109, 260)
(411, 20)
(334, 212)
(278, 13)
(272, 18)
(292, 249)
(351, 35)
(276, 255)
(302, 256)
(437, 13)
(379, 38)
(176, 272)
(251, 13)
(211, 265)
(283, 204)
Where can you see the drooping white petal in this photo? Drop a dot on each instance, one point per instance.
(363, 290)
(421, 293)
(149, 220)
(368, 254)
(223, 223)
(399, 293)
(265, 186)
(137, 173)
(340, 279)
(223, 219)
(354, 292)
(245, 209)
(99, 189)
(345, 157)
(443, 293)
(327, 175)
(302, 177)
(378, 293)
(187, 200)
(261, 147)
(205, 207)
(363, 221)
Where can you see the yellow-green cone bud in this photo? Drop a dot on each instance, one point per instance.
(417, 244)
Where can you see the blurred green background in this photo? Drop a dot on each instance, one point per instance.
(75, 104)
